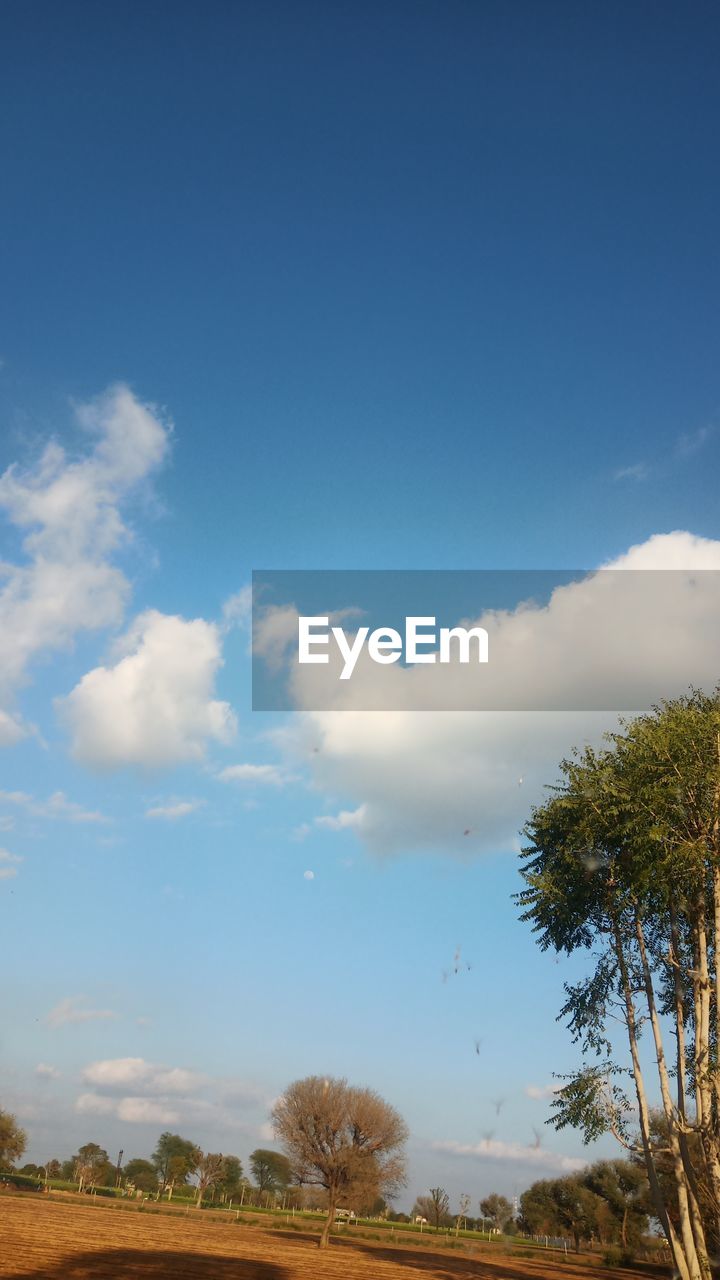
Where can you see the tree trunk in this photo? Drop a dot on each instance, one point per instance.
(198, 1198)
(676, 1248)
(327, 1225)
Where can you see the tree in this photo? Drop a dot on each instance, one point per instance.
(209, 1171)
(231, 1178)
(623, 863)
(175, 1158)
(52, 1169)
(271, 1170)
(463, 1206)
(498, 1209)
(13, 1140)
(439, 1206)
(342, 1138)
(91, 1165)
(142, 1174)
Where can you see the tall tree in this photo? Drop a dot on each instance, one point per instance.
(271, 1170)
(341, 1138)
(175, 1158)
(13, 1140)
(142, 1174)
(623, 863)
(231, 1179)
(439, 1206)
(498, 1209)
(209, 1170)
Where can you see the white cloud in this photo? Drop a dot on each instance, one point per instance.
(693, 441)
(178, 809)
(464, 781)
(132, 1110)
(512, 1153)
(154, 706)
(8, 864)
(47, 1072)
(266, 775)
(540, 1092)
(120, 1073)
(71, 1010)
(69, 511)
(237, 609)
(308, 875)
(56, 806)
(346, 820)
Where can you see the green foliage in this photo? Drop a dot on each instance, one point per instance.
(13, 1140)
(270, 1169)
(142, 1174)
(175, 1158)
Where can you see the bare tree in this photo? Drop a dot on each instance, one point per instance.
(464, 1205)
(440, 1203)
(342, 1138)
(210, 1170)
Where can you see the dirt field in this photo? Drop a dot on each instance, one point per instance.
(49, 1240)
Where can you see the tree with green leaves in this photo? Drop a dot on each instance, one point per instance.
(91, 1166)
(142, 1174)
(498, 1209)
(623, 865)
(344, 1139)
(175, 1159)
(271, 1170)
(231, 1177)
(13, 1140)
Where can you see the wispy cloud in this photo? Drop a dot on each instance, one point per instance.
(8, 864)
(72, 1010)
(56, 806)
(637, 471)
(346, 820)
(512, 1153)
(174, 810)
(691, 442)
(47, 1072)
(265, 775)
(541, 1091)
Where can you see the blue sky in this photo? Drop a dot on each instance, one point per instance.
(416, 285)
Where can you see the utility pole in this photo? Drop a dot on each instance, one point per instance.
(118, 1167)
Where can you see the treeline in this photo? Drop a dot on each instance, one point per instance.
(608, 1203)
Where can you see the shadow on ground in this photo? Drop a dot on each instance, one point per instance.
(141, 1264)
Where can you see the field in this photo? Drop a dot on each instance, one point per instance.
(43, 1239)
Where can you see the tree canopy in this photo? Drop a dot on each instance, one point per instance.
(345, 1139)
(623, 863)
(13, 1140)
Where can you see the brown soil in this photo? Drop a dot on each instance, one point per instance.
(42, 1239)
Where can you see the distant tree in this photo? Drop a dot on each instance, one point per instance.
(498, 1209)
(623, 1187)
(439, 1207)
(175, 1158)
(52, 1169)
(463, 1206)
(271, 1170)
(231, 1178)
(209, 1172)
(90, 1165)
(30, 1170)
(13, 1140)
(423, 1208)
(142, 1174)
(340, 1138)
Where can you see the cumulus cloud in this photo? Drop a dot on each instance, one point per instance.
(154, 704)
(464, 781)
(131, 1110)
(512, 1153)
(174, 810)
(265, 775)
(68, 511)
(141, 1092)
(114, 1074)
(72, 1010)
(346, 820)
(56, 806)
